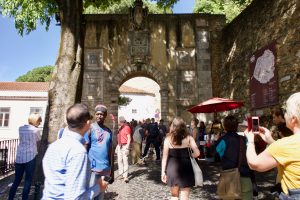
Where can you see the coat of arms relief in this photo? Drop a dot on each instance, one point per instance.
(138, 33)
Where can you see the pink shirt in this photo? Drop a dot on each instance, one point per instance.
(122, 135)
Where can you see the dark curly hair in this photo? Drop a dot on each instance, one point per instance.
(178, 131)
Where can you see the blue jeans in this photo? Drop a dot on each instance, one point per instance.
(20, 168)
(294, 194)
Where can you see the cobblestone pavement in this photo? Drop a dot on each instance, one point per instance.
(145, 184)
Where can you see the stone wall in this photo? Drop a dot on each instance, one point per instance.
(257, 26)
(176, 51)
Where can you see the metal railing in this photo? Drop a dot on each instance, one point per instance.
(8, 150)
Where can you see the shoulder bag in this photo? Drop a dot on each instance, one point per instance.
(197, 171)
(229, 186)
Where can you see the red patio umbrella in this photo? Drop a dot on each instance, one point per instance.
(216, 104)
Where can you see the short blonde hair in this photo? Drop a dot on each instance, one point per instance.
(293, 106)
(34, 118)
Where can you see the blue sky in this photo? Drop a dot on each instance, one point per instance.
(19, 54)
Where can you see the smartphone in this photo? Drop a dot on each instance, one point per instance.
(255, 124)
(108, 179)
(249, 121)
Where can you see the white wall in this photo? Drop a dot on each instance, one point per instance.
(144, 104)
(19, 111)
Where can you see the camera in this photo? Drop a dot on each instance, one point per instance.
(253, 124)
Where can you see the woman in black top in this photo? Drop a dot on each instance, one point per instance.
(177, 169)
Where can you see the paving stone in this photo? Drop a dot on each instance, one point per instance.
(145, 184)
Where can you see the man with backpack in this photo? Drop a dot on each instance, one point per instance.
(152, 133)
(99, 146)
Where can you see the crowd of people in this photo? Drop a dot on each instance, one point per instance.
(80, 164)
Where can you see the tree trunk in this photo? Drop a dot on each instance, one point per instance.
(65, 86)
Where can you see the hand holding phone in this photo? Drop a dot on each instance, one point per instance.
(253, 124)
(266, 135)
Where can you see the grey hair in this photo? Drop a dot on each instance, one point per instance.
(293, 106)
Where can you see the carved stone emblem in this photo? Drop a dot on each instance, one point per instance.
(138, 46)
(137, 16)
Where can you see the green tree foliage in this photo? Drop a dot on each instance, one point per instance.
(229, 8)
(124, 101)
(123, 7)
(39, 74)
(28, 13)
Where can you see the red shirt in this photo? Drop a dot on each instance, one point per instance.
(123, 132)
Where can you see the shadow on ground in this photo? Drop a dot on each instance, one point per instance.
(145, 184)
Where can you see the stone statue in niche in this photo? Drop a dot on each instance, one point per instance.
(137, 16)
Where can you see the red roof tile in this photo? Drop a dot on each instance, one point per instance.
(126, 89)
(44, 86)
(24, 86)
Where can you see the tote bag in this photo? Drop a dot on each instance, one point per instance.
(197, 172)
(196, 169)
(229, 186)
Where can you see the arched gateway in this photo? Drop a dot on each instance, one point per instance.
(178, 51)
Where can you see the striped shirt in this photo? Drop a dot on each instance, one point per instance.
(27, 149)
(67, 170)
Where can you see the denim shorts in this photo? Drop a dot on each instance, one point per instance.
(294, 194)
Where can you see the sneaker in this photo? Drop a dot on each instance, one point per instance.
(126, 180)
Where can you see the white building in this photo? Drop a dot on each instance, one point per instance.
(142, 106)
(17, 101)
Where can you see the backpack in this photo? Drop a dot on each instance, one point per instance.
(153, 130)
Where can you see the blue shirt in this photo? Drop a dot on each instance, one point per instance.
(27, 149)
(101, 141)
(67, 170)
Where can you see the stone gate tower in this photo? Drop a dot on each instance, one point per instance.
(178, 51)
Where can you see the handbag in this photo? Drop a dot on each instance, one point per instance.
(196, 169)
(229, 186)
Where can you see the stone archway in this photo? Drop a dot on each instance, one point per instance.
(124, 73)
(181, 53)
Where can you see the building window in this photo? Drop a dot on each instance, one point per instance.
(38, 110)
(134, 111)
(4, 117)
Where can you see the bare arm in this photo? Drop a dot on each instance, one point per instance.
(128, 141)
(194, 147)
(164, 160)
(266, 135)
(195, 133)
(262, 162)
